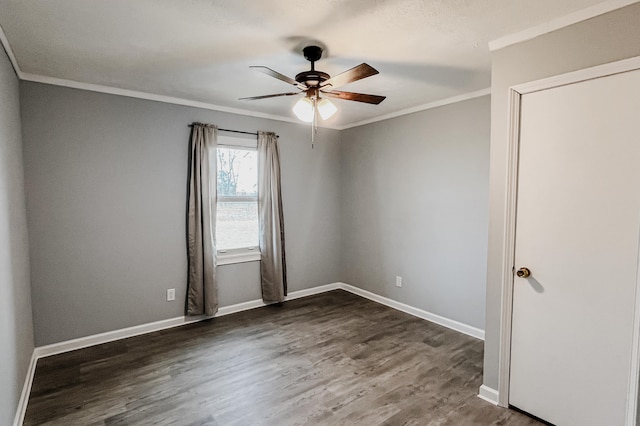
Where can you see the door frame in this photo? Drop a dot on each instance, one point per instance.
(508, 251)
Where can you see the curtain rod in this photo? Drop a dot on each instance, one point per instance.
(237, 131)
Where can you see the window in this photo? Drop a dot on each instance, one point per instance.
(237, 209)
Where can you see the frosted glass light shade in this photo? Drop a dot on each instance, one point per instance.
(303, 109)
(326, 108)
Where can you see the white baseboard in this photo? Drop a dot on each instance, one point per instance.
(446, 322)
(26, 390)
(97, 339)
(313, 290)
(110, 336)
(488, 394)
(252, 304)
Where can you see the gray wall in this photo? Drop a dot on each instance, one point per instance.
(16, 330)
(105, 181)
(106, 187)
(607, 38)
(415, 204)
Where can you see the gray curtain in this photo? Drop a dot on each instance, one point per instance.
(202, 295)
(273, 275)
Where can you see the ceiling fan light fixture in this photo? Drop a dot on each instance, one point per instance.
(326, 108)
(303, 109)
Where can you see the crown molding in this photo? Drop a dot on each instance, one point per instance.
(204, 105)
(557, 23)
(7, 48)
(36, 78)
(150, 96)
(129, 93)
(430, 105)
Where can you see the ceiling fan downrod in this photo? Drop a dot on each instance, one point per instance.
(312, 78)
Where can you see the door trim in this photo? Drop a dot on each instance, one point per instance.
(508, 250)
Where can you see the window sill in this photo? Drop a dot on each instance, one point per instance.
(231, 257)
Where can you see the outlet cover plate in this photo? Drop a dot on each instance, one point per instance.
(171, 294)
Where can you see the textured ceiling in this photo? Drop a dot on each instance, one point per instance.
(200, 50)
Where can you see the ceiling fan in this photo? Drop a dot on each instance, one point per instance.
(314, 83)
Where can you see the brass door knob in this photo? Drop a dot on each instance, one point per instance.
(523, 272)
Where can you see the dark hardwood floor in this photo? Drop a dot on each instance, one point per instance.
(330, 359)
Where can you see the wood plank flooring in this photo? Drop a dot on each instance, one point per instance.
(330, 359)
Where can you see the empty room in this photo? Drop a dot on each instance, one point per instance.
(320, 213)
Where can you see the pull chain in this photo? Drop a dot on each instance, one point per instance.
(314, 125)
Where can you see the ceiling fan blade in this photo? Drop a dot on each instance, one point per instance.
(275, 74)
(253, 98)
(349, 76)
(351, 96)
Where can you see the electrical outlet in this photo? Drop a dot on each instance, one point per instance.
(171, 294)
(398, 281)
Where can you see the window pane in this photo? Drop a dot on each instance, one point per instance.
(237, 225)
(237, 218)
(237, 172)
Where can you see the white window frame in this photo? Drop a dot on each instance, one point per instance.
(243, 254)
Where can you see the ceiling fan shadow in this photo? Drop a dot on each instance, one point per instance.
(297, 43)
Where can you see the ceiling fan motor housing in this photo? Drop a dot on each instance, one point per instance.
(312, 78)
(312, 53)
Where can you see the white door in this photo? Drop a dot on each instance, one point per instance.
(577, 231)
